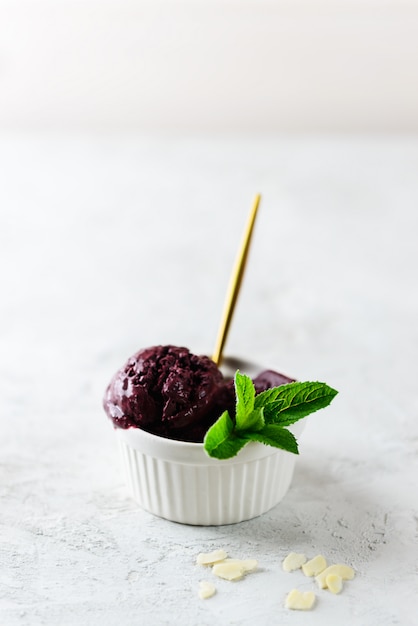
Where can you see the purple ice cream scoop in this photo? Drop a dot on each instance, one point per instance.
(270, 378)
(168, 391)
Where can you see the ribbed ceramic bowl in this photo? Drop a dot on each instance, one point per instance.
(177, 480)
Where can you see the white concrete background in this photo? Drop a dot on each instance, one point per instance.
(209, 65)
(112, 243)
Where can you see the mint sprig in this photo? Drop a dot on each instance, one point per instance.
(264, 417)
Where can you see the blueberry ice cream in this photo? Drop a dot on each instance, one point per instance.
(168, 391)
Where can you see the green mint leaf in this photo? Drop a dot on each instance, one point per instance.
(220, 441)
(263, 417)
(276, 436)
(265, 397)
(297, 400)
(272, 412)
(228, 448)
(245, 393)
(254, 421)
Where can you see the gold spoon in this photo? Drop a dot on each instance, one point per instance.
(235, 283)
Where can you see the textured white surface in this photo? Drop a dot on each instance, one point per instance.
(109, 244)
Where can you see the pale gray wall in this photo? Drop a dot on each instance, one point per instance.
(209, 65)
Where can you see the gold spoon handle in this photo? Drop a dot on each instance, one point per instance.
(235, 283)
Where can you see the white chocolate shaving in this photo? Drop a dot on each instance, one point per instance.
(344, 571)
(293, 561)
(300, 600)
(334, 583)
(209, 558)
(229, 571)
(248, 565)
(315, 566)
(234, 569)
(206, 589)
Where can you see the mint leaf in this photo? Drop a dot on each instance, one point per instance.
(297, 400)
(220, 441)
(227, 448)
(264, 397)
(245, 393)
(263, 417)
(276, 436)
(254, 421)
(271, 412)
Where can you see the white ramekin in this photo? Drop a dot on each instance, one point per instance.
(177, 480)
